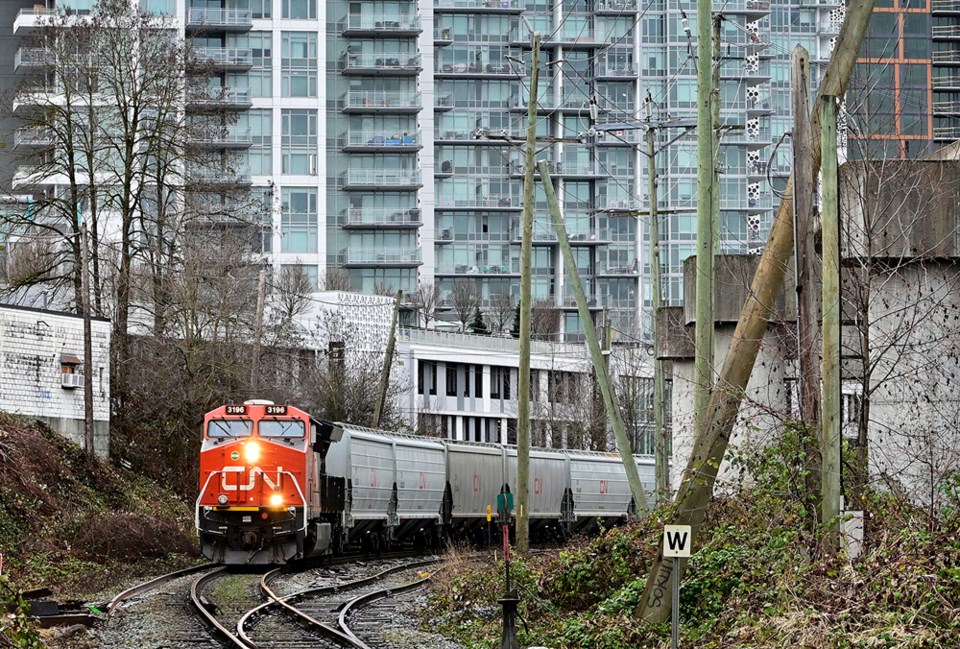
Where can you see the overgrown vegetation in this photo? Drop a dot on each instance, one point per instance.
(756, 579)
(77, 525)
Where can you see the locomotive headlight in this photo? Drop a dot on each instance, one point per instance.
(251, 452)
(222, 499)
(276, 500)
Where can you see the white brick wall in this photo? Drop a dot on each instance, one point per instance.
(32, 344)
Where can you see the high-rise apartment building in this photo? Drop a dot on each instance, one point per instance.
(386, 136)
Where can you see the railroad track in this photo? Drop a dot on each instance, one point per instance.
(319, 616)
(156, 614)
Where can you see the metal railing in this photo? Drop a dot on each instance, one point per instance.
(381, 216)
(379, 139)
(382, 177)
(197, 17)
(380, 99)
(230, 56)
(382, 22)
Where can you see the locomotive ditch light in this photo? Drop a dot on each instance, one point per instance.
(276, 500)
(251, 452)
(222, 499)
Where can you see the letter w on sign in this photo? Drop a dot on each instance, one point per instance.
(676, 540)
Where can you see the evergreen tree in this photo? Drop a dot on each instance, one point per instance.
(515, 329)
(478, 326)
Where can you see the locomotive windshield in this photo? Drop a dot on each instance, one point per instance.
(230, 428)
(274, 428)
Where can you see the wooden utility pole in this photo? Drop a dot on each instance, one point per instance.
(258, 334)
(706, 178)
(715, 120)
(387, 363)
(526, 250)
(709, 449)
(805, 258)
(88, 436)
(661, 461)
(596, 355)
(830, 425)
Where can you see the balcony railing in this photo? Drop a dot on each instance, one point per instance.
(230, 57)
(384, 256)
(479, 5)
(381, 22)
(381, 217)
(32, 56)
(945, 5)
(948, 56)
(946, 31)
(33, 136)
(479, 202)
(230, 137)
(382, 178)
(220, 18)
(377, 140)
(377, 62)
(374, 100)
(232, 176)
(220, 97)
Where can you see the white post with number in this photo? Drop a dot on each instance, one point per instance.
(676, 545)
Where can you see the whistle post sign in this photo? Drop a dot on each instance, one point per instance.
(677, 541)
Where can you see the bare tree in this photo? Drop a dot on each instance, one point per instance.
(426, 303)
(336, 279)
(545, 319)
(501, 312)
(464, 298)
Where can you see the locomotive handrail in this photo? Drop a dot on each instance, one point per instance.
(303, 499)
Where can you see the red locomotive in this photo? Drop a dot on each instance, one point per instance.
(259, 502)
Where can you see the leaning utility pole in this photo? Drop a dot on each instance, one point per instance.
(526, 250)
(805, 260)
(830, 424)
(596, 354)
(387, 363)
(661, 463)
(709, 449)
(706, 178)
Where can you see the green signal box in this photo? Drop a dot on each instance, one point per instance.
(505, 502)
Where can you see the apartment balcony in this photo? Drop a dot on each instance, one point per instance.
(946, 81)
(442, 103)
(221, 58)
(380, 24)
(479, 269)
(31, 57)
(228, 138)
(947, 58)
(946, 133)
(743, 69)
(615, 70)
(375, 64)
(447, 168)
(579, 170)
(752, 139)
(402, 257)
(619, 205)
(762, 105)
(760, 203)
(30, 19)
(375, 101)
(546, 104)
(752, 9)
(594, 301)
(456, 135)
(442, 36)
(218, 20)
(378, 141)
(206, 177)
(216, 99)
(491, 203)
(613, 269)
(478, 70)
(628, 136)
(31, 176)
(946, 32)
(946, 109)
(616, 7)
(382, 179)
(478, 6)
(381, 218)
(33, 136)
(945, 7)
(595, 237)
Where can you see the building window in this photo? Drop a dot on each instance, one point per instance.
(300, 9)
(260, 8)
(298, 64)
(298, 220)
(260, 123)
(298, 141)
(500, 382)
(478, 380)
(452, 370)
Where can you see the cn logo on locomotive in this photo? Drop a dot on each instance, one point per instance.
(226, 485)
